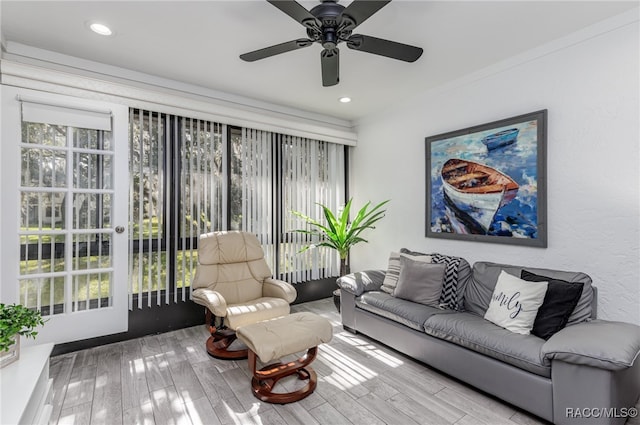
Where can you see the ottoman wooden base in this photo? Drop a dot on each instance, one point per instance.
(277, 338)
(266, 378)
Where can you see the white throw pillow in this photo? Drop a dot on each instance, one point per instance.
(515, 303)
(393, 272)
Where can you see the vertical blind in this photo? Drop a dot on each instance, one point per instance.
(200, 195)
(189, 177)
(147, 259)
(176, 193)
(257, 189)
(311, 173)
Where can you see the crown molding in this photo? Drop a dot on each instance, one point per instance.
(630, 17)
(29, 67)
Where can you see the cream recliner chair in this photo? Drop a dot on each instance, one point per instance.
(234, 283)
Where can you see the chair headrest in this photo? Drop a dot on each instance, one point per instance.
(228, 247)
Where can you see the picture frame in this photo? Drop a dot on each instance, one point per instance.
(488, 183)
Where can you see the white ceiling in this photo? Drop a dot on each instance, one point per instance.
(199, 43)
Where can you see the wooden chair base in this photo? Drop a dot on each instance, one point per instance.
(265, 379)
(219, 342)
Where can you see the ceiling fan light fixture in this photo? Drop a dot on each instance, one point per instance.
(345, 99)
(101, 29)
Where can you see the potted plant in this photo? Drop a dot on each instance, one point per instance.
(16, 320)
(339, 233)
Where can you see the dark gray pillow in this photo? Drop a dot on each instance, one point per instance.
(456, 278)
(559, 302)
(419, 281)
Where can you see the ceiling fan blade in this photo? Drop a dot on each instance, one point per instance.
(379, 46)
(276, 50)
(330, 60)
(297, 12)
(361, 10)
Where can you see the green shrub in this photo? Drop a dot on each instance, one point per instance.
(17, 319)
(340, 233)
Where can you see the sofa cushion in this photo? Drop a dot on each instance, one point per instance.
(515, 303)
(473, 332)
(485, 275)
(402, 311)
(457, 274)
(420, 280)
(559, 302)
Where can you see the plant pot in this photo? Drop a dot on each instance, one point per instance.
(336, 299)
(8, 357)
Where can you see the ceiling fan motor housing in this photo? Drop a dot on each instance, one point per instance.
(332, 31)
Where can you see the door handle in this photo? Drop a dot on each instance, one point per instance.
(119, 229)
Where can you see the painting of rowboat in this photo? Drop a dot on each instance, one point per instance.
(488, 182)
(477, 189)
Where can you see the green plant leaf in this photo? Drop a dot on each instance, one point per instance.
(16, 319)
(344, 219)
(339, 233)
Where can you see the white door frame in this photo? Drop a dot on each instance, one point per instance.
(68, 326)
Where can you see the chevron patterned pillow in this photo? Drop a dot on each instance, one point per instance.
(449, 296)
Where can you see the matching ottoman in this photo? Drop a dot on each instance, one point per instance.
(276, 338)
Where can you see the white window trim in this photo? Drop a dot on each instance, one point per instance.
(181, 101)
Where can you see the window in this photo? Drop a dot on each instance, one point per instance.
(176, 195)
(274, 174)
(190, 177)
(252, 186)
(311, 173)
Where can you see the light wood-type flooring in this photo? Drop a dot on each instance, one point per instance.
(170, 379)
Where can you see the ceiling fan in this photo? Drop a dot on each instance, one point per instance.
(329, 24)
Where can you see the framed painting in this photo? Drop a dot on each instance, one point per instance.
(488, 183)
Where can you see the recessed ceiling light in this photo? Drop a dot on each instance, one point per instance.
(101, 29)
(345, 99)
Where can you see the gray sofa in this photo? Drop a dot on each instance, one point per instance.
(588, 372)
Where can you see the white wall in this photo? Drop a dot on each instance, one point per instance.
(591, 89)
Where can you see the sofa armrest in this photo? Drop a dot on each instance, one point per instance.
(279, 289)
(360, 282)
(212, 300)
(598, 343)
